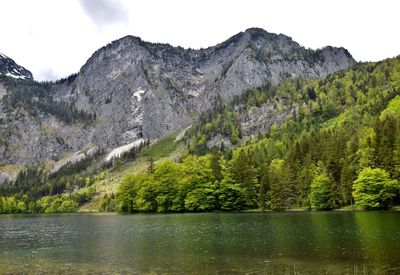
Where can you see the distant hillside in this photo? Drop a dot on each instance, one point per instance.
(131, 89)
(300, 144)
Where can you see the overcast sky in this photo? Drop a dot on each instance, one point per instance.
(53, 39)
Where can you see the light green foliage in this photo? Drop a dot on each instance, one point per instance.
(8, 205)
(392, 110)
(48, 204)
(68, 206)
(167, 179)
(162, 148)
(127, 191)
(218, 121)
(374, 189)
(57, 204)
(320, 191)
(278, 189)
(192, 185)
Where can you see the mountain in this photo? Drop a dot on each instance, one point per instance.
(151, 90)
(8, 67)
(131, 90)
(327, 135)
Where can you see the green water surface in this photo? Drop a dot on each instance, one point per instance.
(213, 243)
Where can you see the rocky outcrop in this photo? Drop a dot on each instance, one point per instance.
(9, 68)
(261, 119)
(136, 89)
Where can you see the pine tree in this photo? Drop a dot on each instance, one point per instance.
(215, 164)
(278, 191)
(385, 143)
(264, 188)
(151, 166)
(244, 173)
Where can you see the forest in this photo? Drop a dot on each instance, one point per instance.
(337, 148)
(37, 191)
(341, 148)
(36, 97)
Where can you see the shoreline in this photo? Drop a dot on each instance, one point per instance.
(299, 209)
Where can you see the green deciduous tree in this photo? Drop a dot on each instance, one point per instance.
(231, 195)
(320, 193)
(374, 189)
(127, 194)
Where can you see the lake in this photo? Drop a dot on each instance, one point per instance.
(211, 243)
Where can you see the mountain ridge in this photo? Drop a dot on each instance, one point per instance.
(8, 67)
(131, 89)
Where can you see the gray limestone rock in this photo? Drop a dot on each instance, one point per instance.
(138, 89)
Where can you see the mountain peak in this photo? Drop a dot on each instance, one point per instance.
(261, 33)
(137, 89)
(257, 31)
(8, 67)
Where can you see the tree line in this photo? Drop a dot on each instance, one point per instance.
(36, 97)
(326, 169)
(37, 191)
(340, 148)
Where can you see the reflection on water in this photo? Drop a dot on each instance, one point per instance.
(223, 243)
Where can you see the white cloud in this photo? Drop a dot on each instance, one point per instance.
(105, 12)
(59, 36)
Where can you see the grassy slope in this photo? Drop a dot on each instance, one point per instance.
(167, 148)
(108, 181)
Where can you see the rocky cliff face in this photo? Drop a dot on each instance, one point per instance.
(9, 68)
(136, 89)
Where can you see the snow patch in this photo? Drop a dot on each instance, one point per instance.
(138, 94)
(116, 152)
(16, 76)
